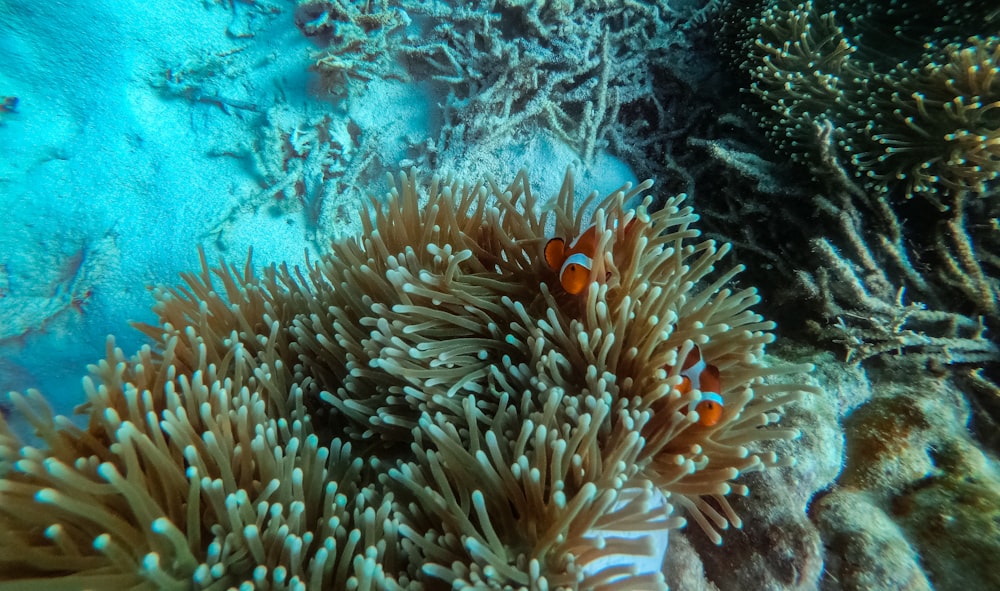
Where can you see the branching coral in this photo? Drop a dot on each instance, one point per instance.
(195, 80)
(361, 40)
(305, 167)
(568, 68)
(417, 409)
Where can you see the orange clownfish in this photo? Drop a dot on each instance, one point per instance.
(696, 374)
(574, 262)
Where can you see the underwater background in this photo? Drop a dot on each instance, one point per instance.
(848, 151)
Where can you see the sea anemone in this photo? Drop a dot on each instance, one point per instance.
(421, 408)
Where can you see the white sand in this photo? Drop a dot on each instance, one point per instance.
(108, 183)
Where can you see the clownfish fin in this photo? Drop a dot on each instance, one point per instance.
(630, 226)
(689, 373)
(555, 253)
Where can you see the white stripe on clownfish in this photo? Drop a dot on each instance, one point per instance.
(698, 375)
(575, 262)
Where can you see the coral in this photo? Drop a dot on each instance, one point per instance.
(573, 69)
(248, 14)
(416, 409)
(927, 127)
(856, 284)
(916, 504)
(54, 290)
(361, 40)
(306, 166)
(953, 520)
(198, 80)
(861, 271)
(577, 70)
(866, 549)
(881, 103)
(871, 261)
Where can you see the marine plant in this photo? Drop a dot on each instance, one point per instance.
(423, 407)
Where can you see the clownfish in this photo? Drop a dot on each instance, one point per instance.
(696, 374)
(574, 262)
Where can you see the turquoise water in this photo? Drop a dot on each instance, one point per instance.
(850, 163)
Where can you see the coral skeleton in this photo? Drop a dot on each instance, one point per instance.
(361, 41)
(570, 69)
(420, 408)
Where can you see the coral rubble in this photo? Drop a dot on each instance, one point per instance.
(576, 70)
